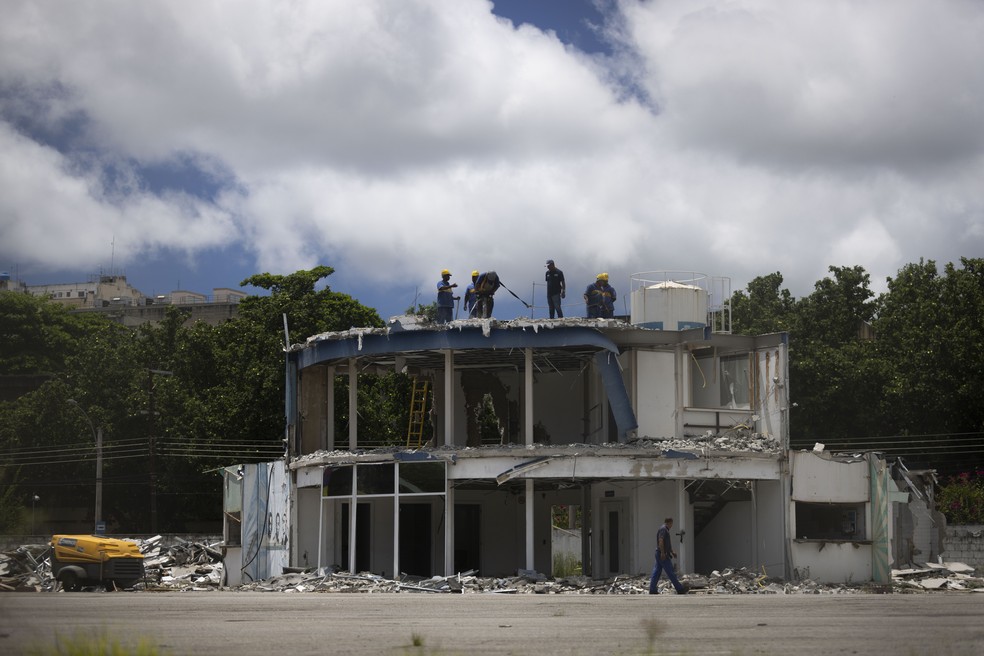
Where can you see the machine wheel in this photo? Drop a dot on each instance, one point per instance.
(125, 583)
(70, 582)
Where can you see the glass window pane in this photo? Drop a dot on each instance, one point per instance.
(374, 479)
(337, 481)
(422, 477)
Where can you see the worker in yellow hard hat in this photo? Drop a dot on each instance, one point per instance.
(470, 296)
(445, 297)
(600, 298)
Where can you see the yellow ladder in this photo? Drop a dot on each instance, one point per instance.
(418, 412)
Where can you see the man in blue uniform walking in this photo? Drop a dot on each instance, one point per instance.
(664, 559)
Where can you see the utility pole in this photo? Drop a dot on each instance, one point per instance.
(97, 436)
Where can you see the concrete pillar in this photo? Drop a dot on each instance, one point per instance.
(353, 376)
(448, 398)
(528, 395)
(529, 524)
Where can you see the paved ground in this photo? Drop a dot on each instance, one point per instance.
(248, 623)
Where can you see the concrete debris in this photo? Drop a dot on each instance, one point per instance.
(197, 566)
(933, 576)
(727, 581)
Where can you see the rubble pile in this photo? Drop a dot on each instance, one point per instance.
(727, 581)
(197, 566)
(24, 569)
(184, 565)
(944, 576)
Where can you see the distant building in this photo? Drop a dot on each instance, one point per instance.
(111, 295)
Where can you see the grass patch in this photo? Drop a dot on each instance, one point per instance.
(100, 644)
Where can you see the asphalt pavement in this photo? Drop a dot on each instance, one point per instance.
(256, 623)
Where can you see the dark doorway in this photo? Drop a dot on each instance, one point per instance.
(361, 537)
(415, 539)
(467, 537)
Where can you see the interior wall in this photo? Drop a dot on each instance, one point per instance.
(558, 404)
(501, 524)
(771, 539)
(727, 540)
(308, 500)
(312, 407)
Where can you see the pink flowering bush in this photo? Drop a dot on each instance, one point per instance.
(962, 498)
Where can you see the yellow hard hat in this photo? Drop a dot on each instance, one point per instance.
(445, 272)
(475, 273)
(603, 276)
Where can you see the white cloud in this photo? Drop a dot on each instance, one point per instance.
(392, 140)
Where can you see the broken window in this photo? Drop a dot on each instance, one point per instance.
(232, 505)
(735, 382)
(830, 521)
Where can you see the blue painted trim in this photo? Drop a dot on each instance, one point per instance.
(453, 338)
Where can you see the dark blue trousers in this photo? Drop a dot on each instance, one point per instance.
(660, 567)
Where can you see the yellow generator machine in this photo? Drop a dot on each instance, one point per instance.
(83, 560)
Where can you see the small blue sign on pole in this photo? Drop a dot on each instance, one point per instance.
(100, 528)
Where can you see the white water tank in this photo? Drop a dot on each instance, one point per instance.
(668, 304)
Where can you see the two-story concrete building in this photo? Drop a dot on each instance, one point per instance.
(619, 423)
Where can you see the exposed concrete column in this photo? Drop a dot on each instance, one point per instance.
(448, 525)
(682, 523)
(529, 524)
(586, 524)
(353, 506)
(755, 527)
(396, 521)
(448, 398)
(328, 433)
(353, 376)
(679, 362)
(528, 395)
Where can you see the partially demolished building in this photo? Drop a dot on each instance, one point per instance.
(618, 423)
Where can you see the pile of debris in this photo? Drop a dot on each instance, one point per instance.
(183, 565)
(24, 569)
(197, 566)
(944, 576)
(727, 581)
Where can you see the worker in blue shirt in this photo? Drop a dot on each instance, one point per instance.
(445, 297)
(470, 295)
(600, 298)
(664, 560)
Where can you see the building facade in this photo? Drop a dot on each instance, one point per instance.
(617, 423)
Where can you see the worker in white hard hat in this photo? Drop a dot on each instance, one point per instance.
(445, 297)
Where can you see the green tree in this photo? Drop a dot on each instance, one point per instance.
(835, 376)
(766, 308)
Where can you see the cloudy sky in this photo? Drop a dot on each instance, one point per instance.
(193, 144)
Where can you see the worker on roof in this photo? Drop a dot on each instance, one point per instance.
(470, 296)
(556, 289)
(600, 298)
(445, 297)
(486, 285)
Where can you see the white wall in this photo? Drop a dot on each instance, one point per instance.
(817, 479)
(655, 397)
(305, 543)
(839, 562)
